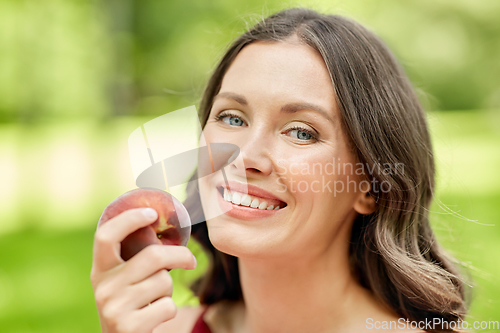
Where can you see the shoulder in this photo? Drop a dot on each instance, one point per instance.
(183, 321)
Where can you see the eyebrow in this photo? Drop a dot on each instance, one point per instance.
(294, 107)
(288, 108)
(236, 97)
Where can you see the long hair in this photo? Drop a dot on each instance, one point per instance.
(393, 251)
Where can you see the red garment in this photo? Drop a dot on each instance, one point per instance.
(200, 326)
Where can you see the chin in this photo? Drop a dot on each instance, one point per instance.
(224, 237)
(238, 241)
(226, 247)
(232, 240)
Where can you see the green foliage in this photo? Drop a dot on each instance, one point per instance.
(465, 212)
(62, 58)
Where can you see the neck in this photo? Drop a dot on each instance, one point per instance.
(313, 293)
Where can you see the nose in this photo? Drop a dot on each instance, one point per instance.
(256, 157)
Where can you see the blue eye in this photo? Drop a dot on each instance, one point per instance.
(301, 135)
(230, 119)
(233, 121)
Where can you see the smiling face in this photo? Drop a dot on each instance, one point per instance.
(277, 103)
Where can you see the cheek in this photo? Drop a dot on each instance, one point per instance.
(209, 133)
(320, 181)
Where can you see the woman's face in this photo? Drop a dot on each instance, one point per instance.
(277, 104)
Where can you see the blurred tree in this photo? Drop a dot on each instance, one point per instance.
(67, 58)
(54, 59)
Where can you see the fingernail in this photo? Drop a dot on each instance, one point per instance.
(195, 262)
(149, 213)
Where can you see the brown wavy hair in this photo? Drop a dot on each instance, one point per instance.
(393, 251)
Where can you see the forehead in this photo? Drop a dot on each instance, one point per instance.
(280, 72)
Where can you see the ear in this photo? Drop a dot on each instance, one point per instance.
(365, 203)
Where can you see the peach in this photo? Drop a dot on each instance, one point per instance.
(172, 227)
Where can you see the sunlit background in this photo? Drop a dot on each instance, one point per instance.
(77, 77)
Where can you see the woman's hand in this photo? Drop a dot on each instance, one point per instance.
(136, 295)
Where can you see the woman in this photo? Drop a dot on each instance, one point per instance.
(335, 234)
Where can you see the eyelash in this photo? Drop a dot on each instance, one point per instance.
(225, 114)
(305, 130)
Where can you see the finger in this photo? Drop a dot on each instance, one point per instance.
(109, 235)
(145, 292)
(149, 317)
(155, 258)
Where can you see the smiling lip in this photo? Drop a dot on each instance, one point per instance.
(243, 212)
(252, 190)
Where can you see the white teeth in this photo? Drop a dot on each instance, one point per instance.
(227, 195)
(236, 198)
(246, 200)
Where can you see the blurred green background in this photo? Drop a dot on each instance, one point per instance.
(77, 77)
